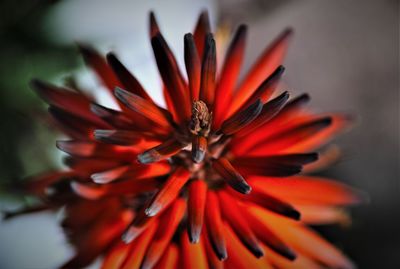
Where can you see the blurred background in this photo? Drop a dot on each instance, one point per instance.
(344, 53)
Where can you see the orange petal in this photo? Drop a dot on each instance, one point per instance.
(232, 213)
(208, 71)
(321, 215)
(303, 239)
(225, 169)
(213, 261)
(239, 256)
(309, 190)
(244, 117)
(193, 66)
(269, 111)
(168, 224)
(268, 237)
(193, 255)
(196, 205)
(170, 258)
(215, 225)
(291, 136)
(139, 247)
(271, 58)
(264, 199)
(267, 87)
(229, 75)
(169, 191)
(116, 256)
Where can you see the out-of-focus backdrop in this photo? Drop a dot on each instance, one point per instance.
(344, 53)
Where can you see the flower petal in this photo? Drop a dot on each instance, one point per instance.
(232, 213)
(224, 168)
(270, 59)
(229, 75)
(193, 66)
(168, 192)
(215, 226)
(244, 117)
(208, 71)
(163, 151)
(196, 205)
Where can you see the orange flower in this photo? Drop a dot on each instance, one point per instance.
(203, 183)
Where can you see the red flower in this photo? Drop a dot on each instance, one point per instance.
(214, 163)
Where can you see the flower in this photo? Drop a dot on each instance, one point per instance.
(218, 179)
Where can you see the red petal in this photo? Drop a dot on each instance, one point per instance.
(274, 166)
(244, 117)
(168, 224)
(129, 82)
(169, 259)
(268, 112)
(224, 168)
(270, 59)
(193, 66)
(229, 74)
(208, 71)
(215, 225)
(139, 247)
(168, 192)
(232, 213)
(196, 205)
(161, 152)
(142, 106)
(199, 148)
(201, 30)
(193, 255)
(172, 78)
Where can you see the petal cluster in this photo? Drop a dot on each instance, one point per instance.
(217, 179)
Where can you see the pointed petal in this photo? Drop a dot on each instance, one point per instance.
(172, 77)
(142, 106)
(215, 226)
(274, 166)
(268, 237)
(168, 224)
(193, 255)
(139, 247)
(269, 111)
(193, 66)
(161, 152)
(115, 257)
(121, 137)
(232, 213)
(271, 58)
(168, 192)
(196, 205)
(224, 168)
(290, 136)
(303, 239)
(310, 190)
(201, 30)
(199, 148)
(267, 87)
(239, 256)
(67, 100)
(229, 75)
(208, 71)
(213, 261)
(169, 259)
(154, 29)
(265, 200)
(129, 82)
(99, 64)
(242, 118)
